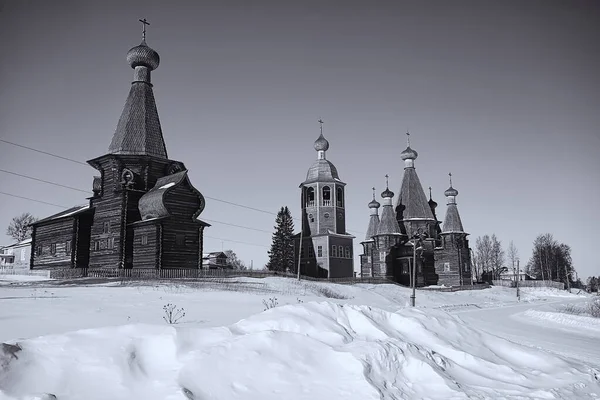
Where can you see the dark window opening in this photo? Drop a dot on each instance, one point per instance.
(106, 227)
(310, 196)
(179, 239)
(311, 217)
(326, 196)
(144, 240)
(53, 248)
(340, 197)
(319, 251)
(68, 247)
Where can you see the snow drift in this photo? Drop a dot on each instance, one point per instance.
(307, 351)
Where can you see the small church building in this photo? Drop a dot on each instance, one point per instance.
(323, 247)
(409, 235)
(143, 212)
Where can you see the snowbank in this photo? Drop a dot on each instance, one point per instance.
(579, 322)
(307, 351)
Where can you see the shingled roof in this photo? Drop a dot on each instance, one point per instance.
(452, 222)
(151, 205)
(413, 198)
(69, 212)
(138, 131)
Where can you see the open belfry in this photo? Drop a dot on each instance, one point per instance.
(410, 234)
(144, 209)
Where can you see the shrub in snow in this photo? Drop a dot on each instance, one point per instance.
(173, 314)
(594, 308)
(272, 303)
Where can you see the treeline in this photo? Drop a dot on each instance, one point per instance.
(550, 260)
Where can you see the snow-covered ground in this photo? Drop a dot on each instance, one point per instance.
(320, 341)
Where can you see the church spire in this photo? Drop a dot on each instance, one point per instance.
(138, 131)
(452, 221)
(388, 224)
(374, 218)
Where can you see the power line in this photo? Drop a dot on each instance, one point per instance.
(237, 226)
(44, 152)
(30, 199)
(208, 197)
(41, 180)
(237, 241)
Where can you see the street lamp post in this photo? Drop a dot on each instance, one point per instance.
(414, 273)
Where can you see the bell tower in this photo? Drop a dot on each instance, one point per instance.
(326, 249)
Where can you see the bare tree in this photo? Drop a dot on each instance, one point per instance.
(483, 251)
(496, 257)
(513, 255)
(20, 227)
(234, 261)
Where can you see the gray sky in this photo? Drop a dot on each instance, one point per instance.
(503, 94)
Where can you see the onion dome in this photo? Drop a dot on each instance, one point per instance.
(432, 204)
(374, 204)
(387, 193)
(409, 154)
(143, 55)
(451, 192)
(321, 144)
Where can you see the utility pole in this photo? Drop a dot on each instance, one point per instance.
(517, 281)
(414, 272)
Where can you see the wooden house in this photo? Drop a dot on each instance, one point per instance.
(215, 260)
(143, 209)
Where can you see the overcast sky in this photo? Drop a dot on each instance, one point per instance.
(503, 94)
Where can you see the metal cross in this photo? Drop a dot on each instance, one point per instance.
(373, 193)
(144, 22)
(320, 121)
(407, 138)
(429, 192)
(386, 181)
(450, 175)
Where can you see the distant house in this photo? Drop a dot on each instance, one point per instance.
(215, 260)
(510, 275)
(16, 255)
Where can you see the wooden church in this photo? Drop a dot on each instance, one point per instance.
(144, 210)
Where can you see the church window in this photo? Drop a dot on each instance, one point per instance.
(144, 240)
(311, 217)
(334, 251)
(348, 252)
(326, 196)
(326, 215)
(340, 197)
(68, 247)
(179, 239)
(53, 248)
(38, 250)
(310, 196)
(319, 251)
(447, 267)
(110, 243)
(106, 227)
(97, 245)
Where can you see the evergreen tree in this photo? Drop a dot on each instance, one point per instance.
(281, 255)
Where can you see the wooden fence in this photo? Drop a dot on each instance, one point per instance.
(196, 274)
(478, 286)
(22, 271)
(537, 284)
